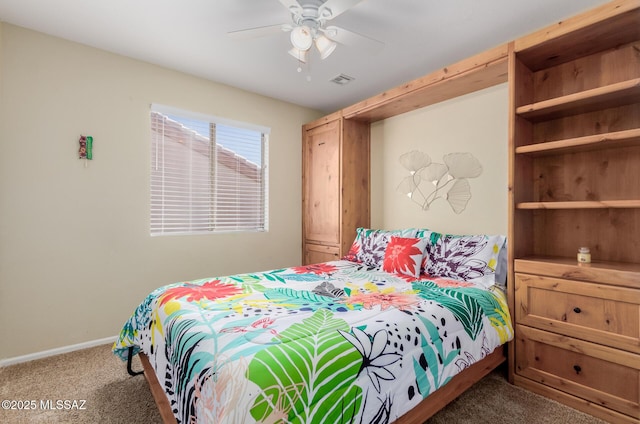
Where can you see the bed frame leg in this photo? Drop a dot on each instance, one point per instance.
(129, 358)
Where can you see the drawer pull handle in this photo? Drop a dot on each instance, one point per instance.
(577, 369)
(577, 310)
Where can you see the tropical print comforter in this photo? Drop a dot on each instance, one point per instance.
(334, 342)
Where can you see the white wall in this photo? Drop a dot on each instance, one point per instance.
(75, 252)
(475, 123)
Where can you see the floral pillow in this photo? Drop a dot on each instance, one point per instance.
(370, 245)
(426, 234)
(467, 258)
(403, 256)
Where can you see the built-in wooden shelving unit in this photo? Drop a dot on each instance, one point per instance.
(575, 181)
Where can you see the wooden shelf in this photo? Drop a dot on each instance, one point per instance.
(618, 94)
(617, 273)
(612, 24)
(578, 144)
(603, 204)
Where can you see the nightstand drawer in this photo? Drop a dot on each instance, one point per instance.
(604, 376)
(604, 314)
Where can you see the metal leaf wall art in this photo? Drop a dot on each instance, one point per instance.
(430, 181)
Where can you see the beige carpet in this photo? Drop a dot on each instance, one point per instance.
(100, 379)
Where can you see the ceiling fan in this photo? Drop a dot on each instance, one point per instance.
(309, 27)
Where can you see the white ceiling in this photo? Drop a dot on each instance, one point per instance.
(420, 36)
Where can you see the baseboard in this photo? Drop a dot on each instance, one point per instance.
(56, 351)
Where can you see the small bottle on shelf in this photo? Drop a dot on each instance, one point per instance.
(584, 255)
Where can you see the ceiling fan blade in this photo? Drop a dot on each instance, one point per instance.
(350, 38)
(292, 6)
(332, 8)
(245, 34)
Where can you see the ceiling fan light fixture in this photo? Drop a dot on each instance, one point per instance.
(301, 37)
(325, 46)
(300, 55)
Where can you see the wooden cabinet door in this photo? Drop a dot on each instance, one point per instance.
(321, 179)
(315, 254)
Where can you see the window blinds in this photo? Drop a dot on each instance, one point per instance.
(207, 174)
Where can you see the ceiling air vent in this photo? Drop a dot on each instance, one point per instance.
(342, 79)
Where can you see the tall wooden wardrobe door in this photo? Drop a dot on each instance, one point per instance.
(322, 183)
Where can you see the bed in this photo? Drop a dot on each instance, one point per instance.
(390, 333)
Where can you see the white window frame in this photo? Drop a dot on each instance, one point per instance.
(182, 202)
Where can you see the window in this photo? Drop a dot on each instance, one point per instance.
(207, 174)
